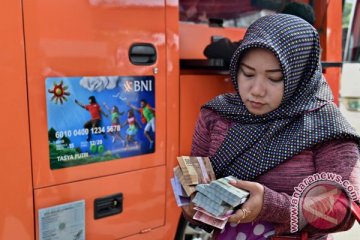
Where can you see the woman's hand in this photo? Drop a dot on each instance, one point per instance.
(252, 207)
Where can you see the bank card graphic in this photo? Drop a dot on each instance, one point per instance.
(95, 119)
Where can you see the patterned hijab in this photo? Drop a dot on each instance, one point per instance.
(306, 116)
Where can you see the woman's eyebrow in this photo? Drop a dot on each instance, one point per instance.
(243, 64)
(270, 70)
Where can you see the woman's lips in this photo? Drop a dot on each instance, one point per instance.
(254, 104)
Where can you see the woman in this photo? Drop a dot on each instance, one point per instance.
(280, 127)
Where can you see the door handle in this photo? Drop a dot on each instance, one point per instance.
(142, 54)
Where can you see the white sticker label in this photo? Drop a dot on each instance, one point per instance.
(65, 221)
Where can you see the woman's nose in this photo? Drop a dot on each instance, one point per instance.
(258, 87)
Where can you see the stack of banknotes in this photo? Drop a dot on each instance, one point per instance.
(215, 199)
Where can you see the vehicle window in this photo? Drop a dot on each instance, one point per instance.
(231, 13)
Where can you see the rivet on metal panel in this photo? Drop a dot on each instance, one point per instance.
(155, 70)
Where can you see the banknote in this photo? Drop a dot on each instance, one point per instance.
(241, 193)
(204, 189)
(222, 218)
(203, 169)
(187, 188)
(188, 170)
(201, 200)
(178, 188)
(230, 194)
(220, 199)
(180, 199)
(207, 219)
(196, 170)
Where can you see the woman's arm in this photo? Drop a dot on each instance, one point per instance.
(276, 210)
(339, 157)
(201, 137)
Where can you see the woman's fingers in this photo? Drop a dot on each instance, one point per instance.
(253, 205)
(240, 215)
(245, 185)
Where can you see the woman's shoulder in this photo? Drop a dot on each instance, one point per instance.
(208, 113)
(336, 144)
(210, 117)
(212, 121)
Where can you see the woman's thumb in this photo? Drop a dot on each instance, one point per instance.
(245, 185)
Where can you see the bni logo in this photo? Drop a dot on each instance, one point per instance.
(138, 86)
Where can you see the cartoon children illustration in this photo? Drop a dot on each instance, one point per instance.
(95, 112)
(132, 129)
(115, 122)
(148, 118)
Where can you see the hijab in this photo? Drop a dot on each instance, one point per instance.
(306, 116)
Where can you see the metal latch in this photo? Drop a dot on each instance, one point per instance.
(107, 206)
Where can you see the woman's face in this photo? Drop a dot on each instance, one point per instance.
(260, 81)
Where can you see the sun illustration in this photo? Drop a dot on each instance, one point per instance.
(59, 92)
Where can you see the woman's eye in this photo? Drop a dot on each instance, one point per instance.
(247, 74)
(276, 80)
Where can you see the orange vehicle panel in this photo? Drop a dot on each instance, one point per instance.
(143, 202)
(90, 38)
(329, 23)
(172, 121)
(334, 45)
(195, 37)
(194, 93)
(16, 211)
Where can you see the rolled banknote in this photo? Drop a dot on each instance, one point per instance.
(207, 219)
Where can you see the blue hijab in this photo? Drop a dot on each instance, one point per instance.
(306, 116)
